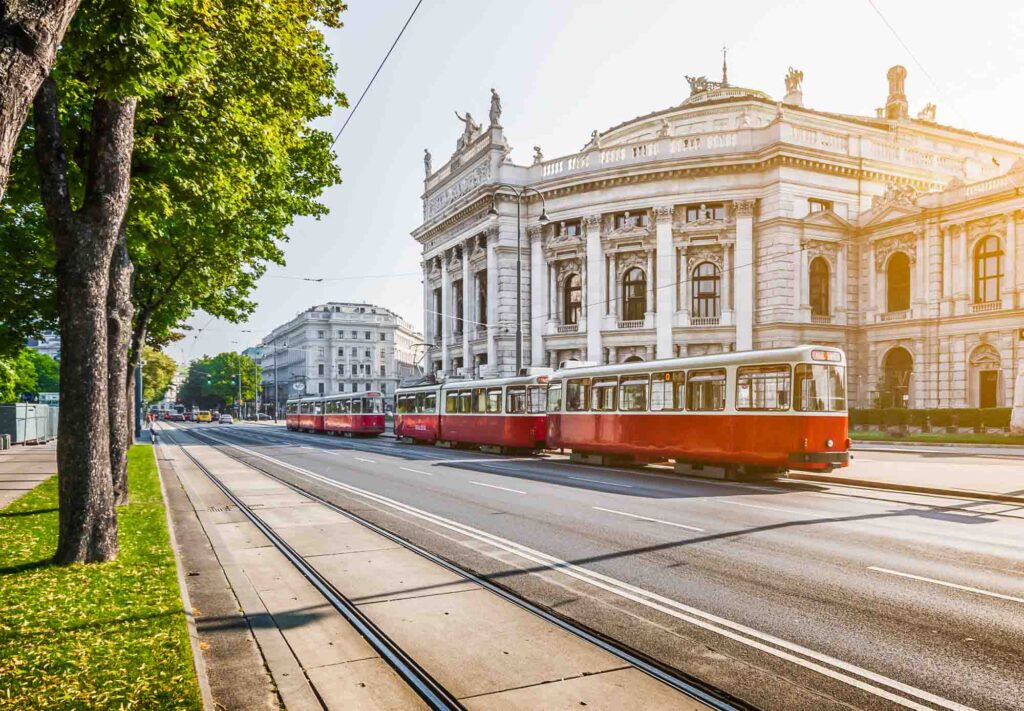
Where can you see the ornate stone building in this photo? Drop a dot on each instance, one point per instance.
(733, 221)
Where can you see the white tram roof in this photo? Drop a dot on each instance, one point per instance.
(795, 354)
(537, 378)
(339, 396)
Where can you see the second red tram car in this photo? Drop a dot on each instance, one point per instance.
(504, 413)
(351, 414)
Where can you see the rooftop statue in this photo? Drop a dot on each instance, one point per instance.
(538, 157)
(469, 131)
(698, 84)
(927, 113)
(495, 108)
(426, 162)
(794, 80)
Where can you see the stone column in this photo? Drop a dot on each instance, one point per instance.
(920, 295)
(1010, 254)
(666, 280)
(686, 291)
(595, 282)
(963, 279)
(743, 274)
(467, 307)
(872, 282)
(552, 302)
(446, 313)
(538, 295)
(842, 281)
(804, 281)
(428, 304)
(492, 298)
(947, 271)
(728, 317)
(649, 296)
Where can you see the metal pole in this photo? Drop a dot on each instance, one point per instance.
(275, 383)
(238, 406)
(138, 400)
(519, 284)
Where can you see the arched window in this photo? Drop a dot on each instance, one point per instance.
(707, 291)
(634, 359)
(897, 282)
(988, 274)
(572, 300)
(634, 295)
(896, 370)
(819, 287)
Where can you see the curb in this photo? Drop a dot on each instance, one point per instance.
(202, 679)
(886, 445)
(910, 488)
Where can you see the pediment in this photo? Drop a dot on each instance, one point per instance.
(889, 213)
(827, 219)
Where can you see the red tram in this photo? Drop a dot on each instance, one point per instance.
(351, 414)
(765, 411)
(500, 413)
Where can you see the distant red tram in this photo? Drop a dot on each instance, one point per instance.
(501, 413)
(351, 414)
(764, 411)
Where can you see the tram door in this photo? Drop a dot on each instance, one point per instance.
(988, 383)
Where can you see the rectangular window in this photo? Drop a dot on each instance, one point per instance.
(366, 334)
(535, 399)
(555, 396)
(341, 334)
(320, 369)
(633, 393)
(516, 400)
(341, 368)
(368, 353)
(319, 334)
(320, 387)
(404, 404)
(705, 390)
(355, 334)
(430, 403)
(479, 400)
(341, 352)
(367, 388)
(465, 402)
(355, 386)
(820, 388)
(493, 401)
(817, 205)
(577, 395)
(355, 352)
(705, 212)
(603, 397)
(357, 405)
(629, 220)
(667, 391)
(762, 387)
(383, 336)
(383, 387)
(451, 403)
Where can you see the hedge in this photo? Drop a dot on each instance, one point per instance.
(958, 417)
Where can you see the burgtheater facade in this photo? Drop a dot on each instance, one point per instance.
(734, 221)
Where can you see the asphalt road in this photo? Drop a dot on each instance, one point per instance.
(788, 595)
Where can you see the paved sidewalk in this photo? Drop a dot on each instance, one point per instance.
(1008, 450)
(981, 475)
(23, 467)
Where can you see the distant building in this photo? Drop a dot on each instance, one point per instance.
(734, 221)
(339, 347)
(47, 344)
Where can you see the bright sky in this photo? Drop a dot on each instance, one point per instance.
(566, 67)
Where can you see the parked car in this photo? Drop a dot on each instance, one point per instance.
(225, 419)
(204, 416)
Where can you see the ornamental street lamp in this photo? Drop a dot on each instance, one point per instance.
(493, 212)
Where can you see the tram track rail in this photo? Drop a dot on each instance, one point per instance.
(431, 691)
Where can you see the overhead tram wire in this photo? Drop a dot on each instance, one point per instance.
(374, 77)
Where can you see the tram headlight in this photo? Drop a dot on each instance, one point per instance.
(829, 443)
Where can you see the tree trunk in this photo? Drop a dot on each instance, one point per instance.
(119, 333)
(30, 32)
(85, 240)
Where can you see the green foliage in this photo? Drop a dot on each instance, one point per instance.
(940, 437)
(213, 382)
(108, 635)
(937, 417)
(224, 155)
(28, 372)
(158, 370)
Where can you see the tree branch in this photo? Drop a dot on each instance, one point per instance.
(53, 162)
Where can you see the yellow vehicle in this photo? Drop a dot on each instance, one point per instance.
(204, 416)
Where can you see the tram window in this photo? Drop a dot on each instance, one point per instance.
(535, 399)
(318, 407)
(374, 405)
(762, 387)
(479, 404)
(577, 395)
(668, 391)
(603, 397)
(346, 406)
(820, 388)
(329, 407)
(516, 401)
(555, 396)
(465, 404)
(430, 403)
(402, 404)
(493, 401)
(451, 403)
(633, 393)
(705, 390)
(357, 405)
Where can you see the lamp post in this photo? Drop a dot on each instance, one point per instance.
(493, 212)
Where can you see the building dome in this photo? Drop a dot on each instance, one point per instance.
(717, 92)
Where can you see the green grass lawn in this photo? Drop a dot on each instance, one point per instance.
(106, 635)
(940, 437)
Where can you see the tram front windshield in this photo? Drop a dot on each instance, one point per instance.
(820, 388)
(373, 405)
